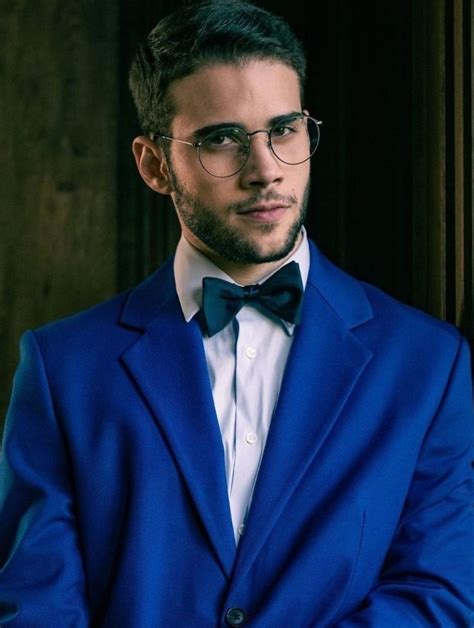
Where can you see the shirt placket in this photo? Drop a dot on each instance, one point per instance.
(248, 436)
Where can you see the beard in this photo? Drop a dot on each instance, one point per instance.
(203, 221)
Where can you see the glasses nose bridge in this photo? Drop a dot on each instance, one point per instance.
(250, 135)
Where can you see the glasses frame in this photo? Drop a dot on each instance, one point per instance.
(197, 145)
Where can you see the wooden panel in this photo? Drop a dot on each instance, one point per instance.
(458, 125)
(429, 150)
(374, 142)
(464, 110)
(58, 164)
(442, 160)
(468, 21)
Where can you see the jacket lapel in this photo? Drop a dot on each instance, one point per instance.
(168, 365)
(324, 364)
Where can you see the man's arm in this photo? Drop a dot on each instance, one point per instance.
(428, 575)
(41, 574)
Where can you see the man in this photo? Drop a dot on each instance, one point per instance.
(235, 442)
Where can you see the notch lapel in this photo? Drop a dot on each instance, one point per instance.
(168, 365)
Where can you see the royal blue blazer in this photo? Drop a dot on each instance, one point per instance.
(113, 498)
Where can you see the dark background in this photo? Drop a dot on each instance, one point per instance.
(392, 179)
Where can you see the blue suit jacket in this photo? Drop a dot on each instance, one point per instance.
(113, 491)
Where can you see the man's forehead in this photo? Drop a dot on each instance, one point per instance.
(257, 90)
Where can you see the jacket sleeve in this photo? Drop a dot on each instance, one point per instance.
(41, 573)
(428, 574)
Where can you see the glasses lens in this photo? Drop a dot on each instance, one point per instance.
(224, 151)
(295, 140)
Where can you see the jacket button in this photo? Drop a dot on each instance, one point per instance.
(236, 617)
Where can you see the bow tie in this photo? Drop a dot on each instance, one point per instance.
(279, 296)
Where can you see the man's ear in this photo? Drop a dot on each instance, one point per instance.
(151, 164)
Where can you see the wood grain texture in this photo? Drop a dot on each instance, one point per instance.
(442, 160)
(58, 197)
(429, 157)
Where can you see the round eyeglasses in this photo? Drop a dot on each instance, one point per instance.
(224, 151)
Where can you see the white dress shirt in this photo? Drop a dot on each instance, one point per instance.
(245, 361)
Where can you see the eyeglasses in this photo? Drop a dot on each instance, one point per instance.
(224, 151)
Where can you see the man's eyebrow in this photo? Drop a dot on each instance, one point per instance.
(200, 133)
(285, 116)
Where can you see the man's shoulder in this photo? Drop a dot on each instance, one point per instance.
(90, 326)
(405, 325)
(111, 318)
(384, 315)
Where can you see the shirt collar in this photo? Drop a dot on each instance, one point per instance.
(191, 266)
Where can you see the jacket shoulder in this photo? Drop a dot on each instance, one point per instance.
(97, 319)
(377, 317)
(130, 309)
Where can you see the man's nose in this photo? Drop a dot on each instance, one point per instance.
(263, 168)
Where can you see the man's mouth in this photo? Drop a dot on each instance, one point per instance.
(265, 212)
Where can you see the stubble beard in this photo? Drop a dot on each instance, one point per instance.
(228, 243)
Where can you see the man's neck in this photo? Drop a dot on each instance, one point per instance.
(246, 274)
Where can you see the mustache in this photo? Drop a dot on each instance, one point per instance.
(263, 198)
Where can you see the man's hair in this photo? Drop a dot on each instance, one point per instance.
(202, 33)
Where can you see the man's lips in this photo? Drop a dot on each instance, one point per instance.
(265, 211)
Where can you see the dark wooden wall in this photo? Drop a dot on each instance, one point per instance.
(392, 181)
(58, 161)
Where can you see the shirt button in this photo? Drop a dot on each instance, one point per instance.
(236, 617)
(251, 438)
(241, 529)
(250, 352)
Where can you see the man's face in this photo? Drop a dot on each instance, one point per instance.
(254, 216)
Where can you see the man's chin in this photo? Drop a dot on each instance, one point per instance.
(255, 253)
(279, 249)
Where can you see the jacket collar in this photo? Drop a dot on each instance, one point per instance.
(343, 294)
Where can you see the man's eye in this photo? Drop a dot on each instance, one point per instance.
(283, 130)
(223, 139)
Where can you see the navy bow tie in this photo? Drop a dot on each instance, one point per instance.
(279, 296)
